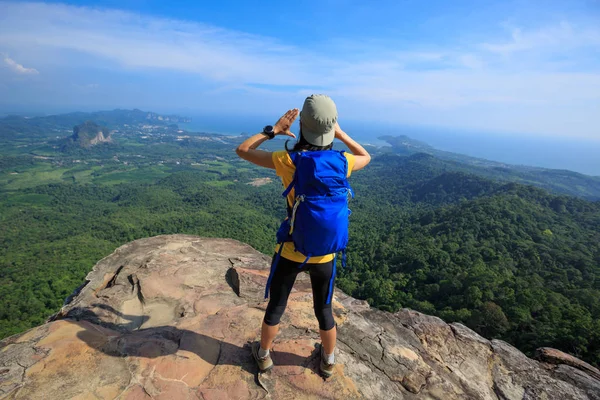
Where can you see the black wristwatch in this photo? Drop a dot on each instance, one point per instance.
(268, 130)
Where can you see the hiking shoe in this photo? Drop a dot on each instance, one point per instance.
(265, 363)
(325, 369)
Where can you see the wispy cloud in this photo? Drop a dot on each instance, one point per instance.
(543, 67)
(562, 38)
(18, 68)
(134, 41)
(86, 86)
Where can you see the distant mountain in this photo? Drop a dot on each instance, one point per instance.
(554, 180)
(51, 125)
(87, 135)
(59, 126)
(405, 145)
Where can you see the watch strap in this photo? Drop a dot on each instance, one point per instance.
(268, 130)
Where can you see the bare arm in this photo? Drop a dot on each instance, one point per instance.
(361, 155)
(247, 150)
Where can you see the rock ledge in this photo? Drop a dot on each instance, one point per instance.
(171, 317)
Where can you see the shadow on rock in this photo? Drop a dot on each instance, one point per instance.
(166, 340)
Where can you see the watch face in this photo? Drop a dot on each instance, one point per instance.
(268, 129)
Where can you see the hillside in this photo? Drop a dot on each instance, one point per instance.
(510, 261)
(557, 181)
(453, 245)
(172, 317)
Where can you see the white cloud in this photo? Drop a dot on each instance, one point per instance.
(149, 42)
(537, 69)
(18, 68)
(562, 38)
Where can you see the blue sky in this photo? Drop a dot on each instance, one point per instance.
(503, 66)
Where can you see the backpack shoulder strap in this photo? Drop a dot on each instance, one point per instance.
(290, 186)
(294, 157)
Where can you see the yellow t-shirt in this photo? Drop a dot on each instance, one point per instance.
(285, 168)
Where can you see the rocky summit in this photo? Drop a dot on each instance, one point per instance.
(172, 317)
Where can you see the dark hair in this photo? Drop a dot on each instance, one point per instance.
(302, 144)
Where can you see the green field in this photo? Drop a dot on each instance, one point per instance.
(139, 175)
(42, 175)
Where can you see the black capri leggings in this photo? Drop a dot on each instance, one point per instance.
(283, 281)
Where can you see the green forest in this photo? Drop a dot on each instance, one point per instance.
(508, 260)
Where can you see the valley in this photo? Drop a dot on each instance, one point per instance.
(510, 255)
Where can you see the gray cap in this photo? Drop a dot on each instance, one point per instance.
(318, 117)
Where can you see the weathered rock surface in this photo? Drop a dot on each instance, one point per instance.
(171, 317)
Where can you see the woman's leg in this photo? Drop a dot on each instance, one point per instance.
(322, 281)
(281, 286)
(328, 339)
(267, 335)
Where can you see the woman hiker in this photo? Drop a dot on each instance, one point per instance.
(318, 128)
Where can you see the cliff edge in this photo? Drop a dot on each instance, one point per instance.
(171, 317)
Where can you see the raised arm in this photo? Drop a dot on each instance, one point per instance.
(247, 150)
(361, 155)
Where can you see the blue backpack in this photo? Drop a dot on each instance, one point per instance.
(317, 224)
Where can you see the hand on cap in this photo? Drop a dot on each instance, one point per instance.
(282, 127)
(339, 133)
